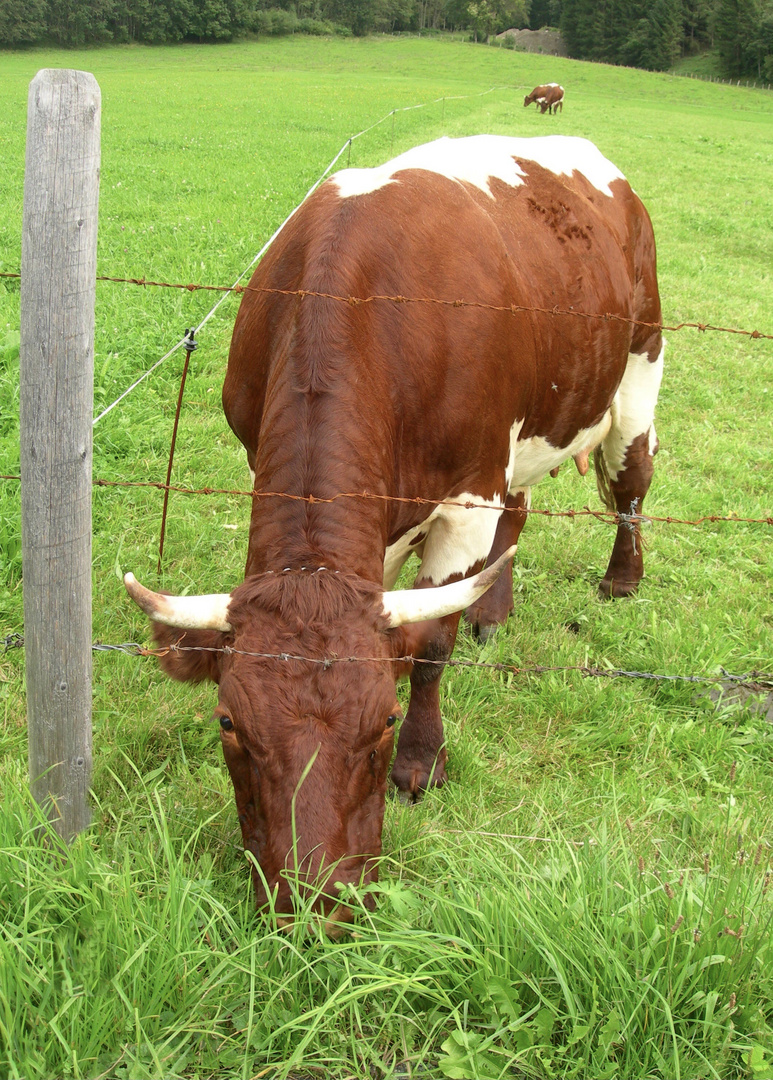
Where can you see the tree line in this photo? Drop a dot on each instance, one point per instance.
(650, 34)
(653, 34)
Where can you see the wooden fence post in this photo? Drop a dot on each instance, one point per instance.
(58, 284)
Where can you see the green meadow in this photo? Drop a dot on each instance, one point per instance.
(589, 897)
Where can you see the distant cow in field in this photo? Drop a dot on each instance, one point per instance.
(549, 97)
(357, 413)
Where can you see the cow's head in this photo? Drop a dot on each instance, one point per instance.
(307, 732)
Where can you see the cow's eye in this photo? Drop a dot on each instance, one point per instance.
(372, 756)
(226, 723)
(392, 720)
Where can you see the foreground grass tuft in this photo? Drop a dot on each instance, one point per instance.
(614, 956)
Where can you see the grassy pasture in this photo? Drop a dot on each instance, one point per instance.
(589, 897)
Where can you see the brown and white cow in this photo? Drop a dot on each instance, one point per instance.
(474, 402)
(549, 97)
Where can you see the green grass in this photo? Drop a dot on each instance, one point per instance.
(707, 65)
(704, 65)
(589, 896)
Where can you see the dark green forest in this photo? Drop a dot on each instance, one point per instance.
(649, 34)
(653, 34)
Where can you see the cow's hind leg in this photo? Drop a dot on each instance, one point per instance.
(624, 465)
(492, 609)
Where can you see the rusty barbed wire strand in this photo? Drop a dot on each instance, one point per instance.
(754, 679)
(512, 309)
(611, 517)
(190, 345)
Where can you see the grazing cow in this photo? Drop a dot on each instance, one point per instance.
(430, 398)
(549, 97)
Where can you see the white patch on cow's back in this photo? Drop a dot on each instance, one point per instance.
(477, 159)
(633, 409)
(532, 459)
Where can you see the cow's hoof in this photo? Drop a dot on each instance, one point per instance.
(612, 589)
(413, 779)
(484, 626)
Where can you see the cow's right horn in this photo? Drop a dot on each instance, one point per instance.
(186, 612)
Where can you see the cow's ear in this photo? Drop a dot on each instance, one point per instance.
(190, 655)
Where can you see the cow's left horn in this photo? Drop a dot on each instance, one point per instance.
(186, 612)
(416, 605)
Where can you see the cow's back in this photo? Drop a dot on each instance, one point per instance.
(419, 272)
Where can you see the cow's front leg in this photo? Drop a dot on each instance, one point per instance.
(421, 754)
(492, 609)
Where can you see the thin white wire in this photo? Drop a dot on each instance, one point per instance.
(206, 318)
(225, 296)
(137, 382)
(272, 238)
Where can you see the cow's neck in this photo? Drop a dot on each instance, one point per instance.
(318, 447)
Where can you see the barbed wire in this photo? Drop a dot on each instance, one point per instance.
(511, 309)
(757, 680)
(611, 517)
